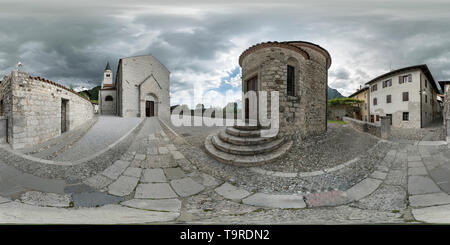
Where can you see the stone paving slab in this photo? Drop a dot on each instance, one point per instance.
(123, 186)
(415, 164)
(231, 192)
(174, 173)
(205, 179)
(18, 213)
(186, 187)
(115, 170)
(139, 157)
(275, 201)
(421, 185)
(133, 172)
(378, 175)
(177, 155)
(94, 199)
(98, 181)
(440, 174)
(414, 158)
(417, 171)
(445, 186)
(156, 191)
(435, 214)
(46, 199)
(169, 205)
(328, 198)
(363, 188)
(429, 199)
(153, 175)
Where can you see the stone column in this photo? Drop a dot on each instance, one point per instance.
(385, 127)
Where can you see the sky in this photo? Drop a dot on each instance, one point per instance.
(200, 41)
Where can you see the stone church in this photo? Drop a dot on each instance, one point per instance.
(141, 88)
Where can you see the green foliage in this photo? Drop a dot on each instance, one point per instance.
(344, 101)
(83, 94)
(336, 122)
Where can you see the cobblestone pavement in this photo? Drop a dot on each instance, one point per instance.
(164, 178)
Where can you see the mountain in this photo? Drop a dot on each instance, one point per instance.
(333, 93)
(91, 93)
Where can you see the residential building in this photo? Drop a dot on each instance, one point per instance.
(407, 95)
(364, 95)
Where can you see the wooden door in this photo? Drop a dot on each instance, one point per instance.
(149, 108)
(63, 115)
(252, 85)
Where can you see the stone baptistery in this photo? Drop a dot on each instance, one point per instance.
(298, 71)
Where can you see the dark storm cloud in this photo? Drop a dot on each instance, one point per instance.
(71, 42)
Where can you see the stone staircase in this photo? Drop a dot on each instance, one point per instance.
(244, 146)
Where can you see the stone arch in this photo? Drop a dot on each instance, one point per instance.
(109, 98)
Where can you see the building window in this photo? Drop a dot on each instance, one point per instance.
(426, 99)
(405, 116)
(374, 101)
(378, 118)
(365, 107)
(374, 87)
(388, 98)
(405, 96)
(1, 108)
(426, 83)
(107, 75)
(290, 80)
(109, 98)
(387, 83)
(405, 79)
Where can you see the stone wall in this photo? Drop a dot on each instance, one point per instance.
(33, 109)
(446, 111)
(362, 126)
(304, 113)
(337, 112)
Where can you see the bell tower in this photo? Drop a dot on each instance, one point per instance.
(107, 77)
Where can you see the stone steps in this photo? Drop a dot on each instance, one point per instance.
(244, 141)
(242, 133)
(246, 150)
(245, 160)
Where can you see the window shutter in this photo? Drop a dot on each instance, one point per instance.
(410, 78)
(400, 79)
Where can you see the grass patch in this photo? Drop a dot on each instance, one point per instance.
(337, 122)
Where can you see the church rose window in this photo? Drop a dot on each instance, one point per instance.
(109, 98)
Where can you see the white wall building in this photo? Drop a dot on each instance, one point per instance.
(408, 95)
(141, 89)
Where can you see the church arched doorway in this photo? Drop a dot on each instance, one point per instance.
(150, 105)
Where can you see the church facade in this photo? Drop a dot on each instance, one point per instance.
(141, 89)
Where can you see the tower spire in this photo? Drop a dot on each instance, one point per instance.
(107, 66)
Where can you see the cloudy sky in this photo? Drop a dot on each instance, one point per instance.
(200, 41)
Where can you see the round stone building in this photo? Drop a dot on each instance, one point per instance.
(298, 71)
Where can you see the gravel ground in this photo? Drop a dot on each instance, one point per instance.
(243, 177)
(106, 131)
(338, 145)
